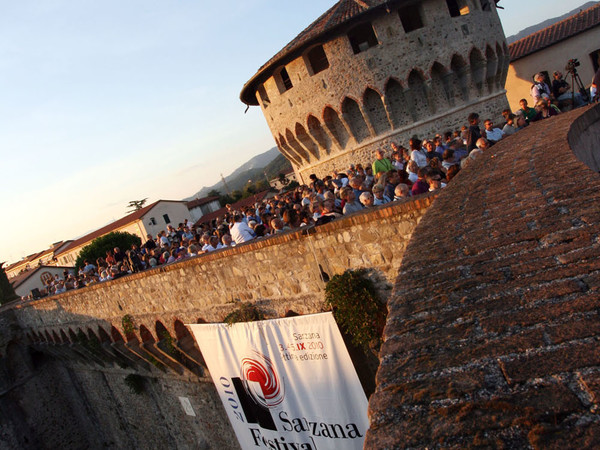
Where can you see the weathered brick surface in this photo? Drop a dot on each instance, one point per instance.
(493, 331)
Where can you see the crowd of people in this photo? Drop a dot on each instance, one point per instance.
(396, 173)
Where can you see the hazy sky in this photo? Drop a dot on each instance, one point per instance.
(103, 102)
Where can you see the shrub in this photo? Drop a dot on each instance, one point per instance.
(136, 383)
(247, 312)
(357, 308)
(99, 246)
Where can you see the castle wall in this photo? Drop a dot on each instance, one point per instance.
(85, 343)
(407, 84)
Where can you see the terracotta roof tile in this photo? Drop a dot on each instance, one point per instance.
(575, 24)
(201, 201)
(112, 226)
(238, 205)
(339, 14)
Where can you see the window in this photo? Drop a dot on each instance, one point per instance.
(362, 37)
(166, 217)
(152, 221)
(317, 60)
(486, 5)
(411, 19)
(457, 7)
(283, 81)
(264, 98)
(595, 56)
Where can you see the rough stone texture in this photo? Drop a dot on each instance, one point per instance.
(279, 274)
(64, 359)
(407, 84)
(493, 328)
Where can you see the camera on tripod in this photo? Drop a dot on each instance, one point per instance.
(572, 65)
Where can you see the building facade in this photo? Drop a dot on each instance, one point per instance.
(370, 72)
(547, 50)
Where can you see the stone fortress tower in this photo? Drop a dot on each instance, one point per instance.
(368, 72)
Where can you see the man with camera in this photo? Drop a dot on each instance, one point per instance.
(561, 91)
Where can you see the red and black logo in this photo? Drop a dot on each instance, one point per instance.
(259, 389)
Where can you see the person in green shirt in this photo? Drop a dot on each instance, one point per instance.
(530, 114)
(381, 164)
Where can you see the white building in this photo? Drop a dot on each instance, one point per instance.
(149, 220)
(201, 206)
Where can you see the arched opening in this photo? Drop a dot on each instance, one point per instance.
(460, 81)
(129, 351)
(187, 344)
(287, 151)
(51, 341)
(375, 111)
(440, 86)
(397, 106)
(316, 60)
(336, 127)
(116, 335)
(478, 70)
(171, 349)
(318, 134)
(503, 63)
(103, 335)
(355, 120)
(307, 142)
(418, 95)
(293, 143)
(156, 357)
(491, 68)
(56, 338)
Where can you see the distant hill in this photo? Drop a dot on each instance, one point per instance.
(270, 162)
(546, 23)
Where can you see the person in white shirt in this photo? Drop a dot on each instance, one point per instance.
(240, 231)
(492, 134)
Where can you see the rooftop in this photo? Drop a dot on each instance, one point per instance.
(569, 27)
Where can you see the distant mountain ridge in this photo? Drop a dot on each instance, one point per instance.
(270, 162)
(546, 23)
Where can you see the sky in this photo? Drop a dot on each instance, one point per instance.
(104, 102)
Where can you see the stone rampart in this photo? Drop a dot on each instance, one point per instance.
(281, 273)
(493, 333)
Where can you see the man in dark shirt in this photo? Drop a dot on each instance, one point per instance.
(474, 132)
(561, 90)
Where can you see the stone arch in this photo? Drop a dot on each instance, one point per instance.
(157, 357)
(293, 143)
(318, 133)
(375, 110)
(103, 335)
(440, 87)
(187, 345)
(116, 335)
(169, 346)
(460, 80)
(478, 70)
(336, 127)
(287, 151)
(491, 68)
(64, 338)
(56, 338)
(51, 341)
(418, 94)
(354, 118)
(503, 63)
(307, 141)
(146, 335)
(396, 104)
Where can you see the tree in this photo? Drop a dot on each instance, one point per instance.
(136, 205)
(7, 292)
(101, 245)
(214, 193)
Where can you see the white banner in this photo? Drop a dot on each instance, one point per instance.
(286, 384)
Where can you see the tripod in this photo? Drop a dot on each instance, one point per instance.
(576, 81)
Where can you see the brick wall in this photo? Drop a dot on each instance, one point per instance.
(493, 327)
